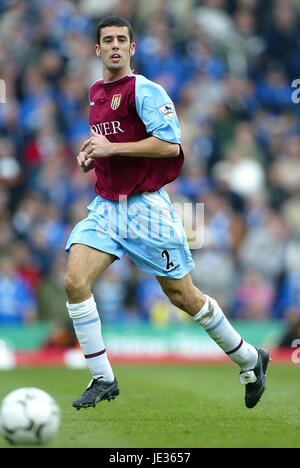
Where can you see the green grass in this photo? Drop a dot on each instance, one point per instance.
(170, 407)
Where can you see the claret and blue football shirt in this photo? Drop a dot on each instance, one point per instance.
(131, 109)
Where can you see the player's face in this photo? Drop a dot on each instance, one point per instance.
(115, 49)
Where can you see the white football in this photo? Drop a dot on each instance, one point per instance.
(29, 416)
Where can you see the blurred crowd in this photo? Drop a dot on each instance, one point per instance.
(229, 67)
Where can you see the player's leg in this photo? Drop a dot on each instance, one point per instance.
(85, 265)
(207, 313)
(92, 247)
(163, 252)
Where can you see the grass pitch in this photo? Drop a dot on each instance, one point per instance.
(186, 406)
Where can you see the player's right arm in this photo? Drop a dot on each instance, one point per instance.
(84, 162)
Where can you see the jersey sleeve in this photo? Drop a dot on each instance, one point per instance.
(157, 111)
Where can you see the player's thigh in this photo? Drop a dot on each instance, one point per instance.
(85, 264)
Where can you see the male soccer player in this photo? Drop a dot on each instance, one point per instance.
(135, 150)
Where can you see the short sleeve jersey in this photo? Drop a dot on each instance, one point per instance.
(130, 109)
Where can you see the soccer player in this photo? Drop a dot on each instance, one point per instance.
(135, 149)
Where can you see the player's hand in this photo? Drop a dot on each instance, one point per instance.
(85, 163)
(98, 146)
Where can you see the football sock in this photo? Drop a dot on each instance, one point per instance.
(213, 320)
(87, 326)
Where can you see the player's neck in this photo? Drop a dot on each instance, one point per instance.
(113, 75)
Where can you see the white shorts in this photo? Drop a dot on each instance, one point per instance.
(143, 226)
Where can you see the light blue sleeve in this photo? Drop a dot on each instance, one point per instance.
(156, 109)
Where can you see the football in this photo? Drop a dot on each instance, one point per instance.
(29, 416)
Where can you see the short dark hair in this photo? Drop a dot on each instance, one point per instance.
(114, 21)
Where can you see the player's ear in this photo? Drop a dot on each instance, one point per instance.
(132, 49)
(98, 50)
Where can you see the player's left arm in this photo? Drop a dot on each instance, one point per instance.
(99, 147)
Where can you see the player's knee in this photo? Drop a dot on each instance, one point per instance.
(74, 285)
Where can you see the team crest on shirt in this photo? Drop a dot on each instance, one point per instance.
(115, 102)
(167, 110)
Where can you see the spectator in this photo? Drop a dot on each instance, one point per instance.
(10, 170)
(51, 295)
(263, 247)
(282, 31)
(255, 296)
(18, 303)
(240, 173)
(285, 169)
(110, 294)
(292, 333)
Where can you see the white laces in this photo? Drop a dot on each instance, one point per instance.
(247, 377)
